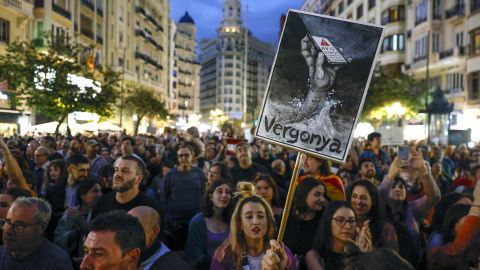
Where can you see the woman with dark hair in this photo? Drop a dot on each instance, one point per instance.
(209, 228)
(307, 207)
(394, 196)
(251, 232)
(211, 153)
(365, 199)
(266, 188)
(382, 258)
(73, 225)
(150, 155)
(338, 225)
(218, 171)
(55, 174)
(458, 233)
(438, 218)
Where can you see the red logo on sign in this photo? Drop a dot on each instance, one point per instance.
(324, 43)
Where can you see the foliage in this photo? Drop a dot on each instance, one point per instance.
(144, 101)
(42, 77)
(388, 88)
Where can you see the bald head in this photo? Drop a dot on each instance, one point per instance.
(150, 220)
(278, 166)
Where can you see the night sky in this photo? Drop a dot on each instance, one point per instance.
(263, 16)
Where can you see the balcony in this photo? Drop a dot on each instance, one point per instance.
(151, 41)
(420, 20)
(184, 96)
(139, 55)
(86, 33)
(152, 20)
(62, 11)
(88, 4)
(99, 12)
(99, 40)
(139, 32)
(159, 47)
(140, 10)
(39, 4)
(409, 33)
(159, 66)
(159, 28)
(455, 13)
(419, 58)
(446, 54)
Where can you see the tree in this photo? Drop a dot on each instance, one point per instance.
(388, 88)
(44, 77)
(144, 101)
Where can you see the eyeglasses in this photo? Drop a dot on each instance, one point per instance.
(213, 173)
(341, 221)
(184, 156)
(18, 227)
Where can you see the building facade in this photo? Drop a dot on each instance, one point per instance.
(130, 36)
(223, 75)
(185, 88)
(15, 24)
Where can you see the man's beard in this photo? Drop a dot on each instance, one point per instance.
(127, 185)
(79, 179)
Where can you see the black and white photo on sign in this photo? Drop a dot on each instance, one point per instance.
(318, 83)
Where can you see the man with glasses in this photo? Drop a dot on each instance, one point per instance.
(181, 199)
(41, 162)
(24, 246)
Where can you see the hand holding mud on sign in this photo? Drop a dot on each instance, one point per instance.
(321, 78)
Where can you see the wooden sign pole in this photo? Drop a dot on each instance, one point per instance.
(291, 193)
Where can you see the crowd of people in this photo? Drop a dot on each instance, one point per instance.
(179, 201)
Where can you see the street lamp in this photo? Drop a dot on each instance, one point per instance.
(395, 110)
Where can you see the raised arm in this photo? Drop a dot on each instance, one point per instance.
(432, 192)
(14, 171)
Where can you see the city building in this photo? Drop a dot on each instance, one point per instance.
(185, 88)
(15, 24)
(223, 74)
(130, 37)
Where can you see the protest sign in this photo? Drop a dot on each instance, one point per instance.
(318, 83)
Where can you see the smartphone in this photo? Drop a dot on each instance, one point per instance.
(332, 55)
(402, 152)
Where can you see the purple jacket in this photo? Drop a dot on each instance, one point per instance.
(226, 265)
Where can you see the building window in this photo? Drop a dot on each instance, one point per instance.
(393, 43)
(474, 5)
(4, 31)
(120, 36)
(454, 81)
(371, 4)
(120, 62)
(435, 43)
(459, 39)
(360, 11)
(421, 10)
(393, 14)
(237, 100)
(349, 2)
(475, 83)
(237, 91)
(475, 40)
(420, 48)
(437, 9)
(237, 83)
(120, 14)
(340, 8)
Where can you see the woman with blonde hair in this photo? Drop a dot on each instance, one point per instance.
(251, 230)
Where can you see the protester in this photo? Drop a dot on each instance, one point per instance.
(374, 152)
(365, 200)
(308, 205)
(320, 169)
(56, 174)
(266, 188)
(449, 255)
(184, 186)
(73, 226)
(218, 171)
(193, 135)
(246, 169)
(338, 225)
(24, 246)
(157, 256)
(116, 241)
(7, 198)
(251, 228)
(209, 228)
